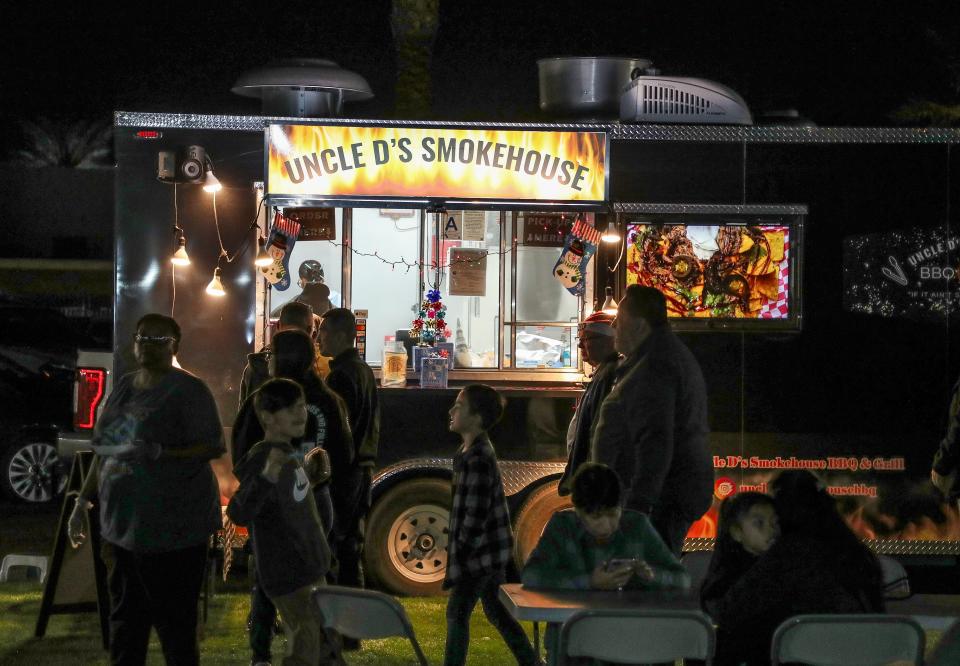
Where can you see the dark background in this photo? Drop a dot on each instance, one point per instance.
(847, 63)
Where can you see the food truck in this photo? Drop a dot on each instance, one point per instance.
(812, 272)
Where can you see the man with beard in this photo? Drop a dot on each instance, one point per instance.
(653, 425)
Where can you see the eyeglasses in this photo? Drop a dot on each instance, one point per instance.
(153, 339)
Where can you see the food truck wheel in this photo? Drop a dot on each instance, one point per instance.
(406, 544)
(536, 512)
(27, 471)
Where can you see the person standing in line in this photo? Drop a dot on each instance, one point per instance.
(158, 496)
(326, 441)
(943, 473)
(352, 379)
(274, 499)
(293, 316)
(652, 428)
(480, 538)
(596, 345)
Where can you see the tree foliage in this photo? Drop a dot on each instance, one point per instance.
(82, 144)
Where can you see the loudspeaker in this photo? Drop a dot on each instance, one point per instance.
(192, 163)
(167, 166)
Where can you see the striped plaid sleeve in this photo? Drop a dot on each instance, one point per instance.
(475, 489)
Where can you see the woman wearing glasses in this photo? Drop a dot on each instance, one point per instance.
(158, 497)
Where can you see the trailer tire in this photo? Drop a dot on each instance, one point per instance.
(406, 537)
(535, 512)
(27, 471)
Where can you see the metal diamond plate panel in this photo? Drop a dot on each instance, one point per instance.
(516, 475)
(710, 209)
(879, 546)
(258, 123)
(783, 134)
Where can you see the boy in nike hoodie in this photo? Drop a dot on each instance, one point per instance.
(275, 502)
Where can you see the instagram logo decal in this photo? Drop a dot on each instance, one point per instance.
(724, 487)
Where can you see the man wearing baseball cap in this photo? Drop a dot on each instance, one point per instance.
(596, 346)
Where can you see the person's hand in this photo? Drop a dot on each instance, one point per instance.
(643, 571)
(275, 461)
(317, 464)
(76, 528)
(611, 579)
(942, 482)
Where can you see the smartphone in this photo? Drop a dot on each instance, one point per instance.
(619, 563)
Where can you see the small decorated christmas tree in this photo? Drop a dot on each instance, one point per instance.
(430, 326)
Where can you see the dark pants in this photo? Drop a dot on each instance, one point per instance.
(263, 617)
(154, 589)
(463, 597)
(351, 502)
(672, 526)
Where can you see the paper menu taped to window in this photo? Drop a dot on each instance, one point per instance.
(474, 225)
(452, 225)
(468, 272)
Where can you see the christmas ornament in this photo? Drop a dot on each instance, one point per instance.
(578, 248)
(283, 236)
(430, 326)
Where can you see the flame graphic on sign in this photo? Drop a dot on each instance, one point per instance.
(466, 176)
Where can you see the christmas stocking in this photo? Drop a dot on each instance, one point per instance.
(280, 241)
(578, 248)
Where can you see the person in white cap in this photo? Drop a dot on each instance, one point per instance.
(596, 345)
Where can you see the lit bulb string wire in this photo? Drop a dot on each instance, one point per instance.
(419, 265)
(173, 267)
(247, 237)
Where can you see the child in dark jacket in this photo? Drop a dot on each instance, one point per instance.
(275, 502)
(817, 565)
(480, 539)
(747, 528)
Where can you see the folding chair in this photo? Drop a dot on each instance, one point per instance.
(630, 636)
(364, 614)
(847, 640)
(896, 583)
(696, 563)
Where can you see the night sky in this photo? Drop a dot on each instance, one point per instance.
(839, 63)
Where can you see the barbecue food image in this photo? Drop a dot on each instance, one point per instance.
(732, 271)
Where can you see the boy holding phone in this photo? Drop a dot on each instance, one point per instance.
(599, 545)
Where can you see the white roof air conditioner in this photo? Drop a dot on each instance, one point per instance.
(676, 99)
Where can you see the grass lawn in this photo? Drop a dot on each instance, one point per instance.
(74, 639)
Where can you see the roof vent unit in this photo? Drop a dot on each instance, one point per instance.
(675, 99)
(303, 88)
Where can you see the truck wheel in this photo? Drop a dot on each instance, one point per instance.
(535, 513)
(406, 537)
(27, 472)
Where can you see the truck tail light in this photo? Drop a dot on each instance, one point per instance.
(91, 384)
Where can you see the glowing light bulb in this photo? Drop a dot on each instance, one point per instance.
(609, 305)
(210, 183)
(263, 259)
(215, 288)
(610, 234)
(180, 257)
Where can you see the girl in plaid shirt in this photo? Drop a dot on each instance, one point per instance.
(480, 538)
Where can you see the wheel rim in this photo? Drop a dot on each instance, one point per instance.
(417, 543)
(30, 472)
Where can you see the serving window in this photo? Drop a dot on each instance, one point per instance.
(505, 309)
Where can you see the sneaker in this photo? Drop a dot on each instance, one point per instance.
(260, 663)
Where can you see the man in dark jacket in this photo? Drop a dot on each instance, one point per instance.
(653, 425)
(351, 378)
(596, 345)
(293, 316)
(945, 462)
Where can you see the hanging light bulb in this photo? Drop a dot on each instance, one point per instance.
(263, 259)
(610, 234)
(180, 257)
(210, 182)
(215, 288)
(609, 305)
